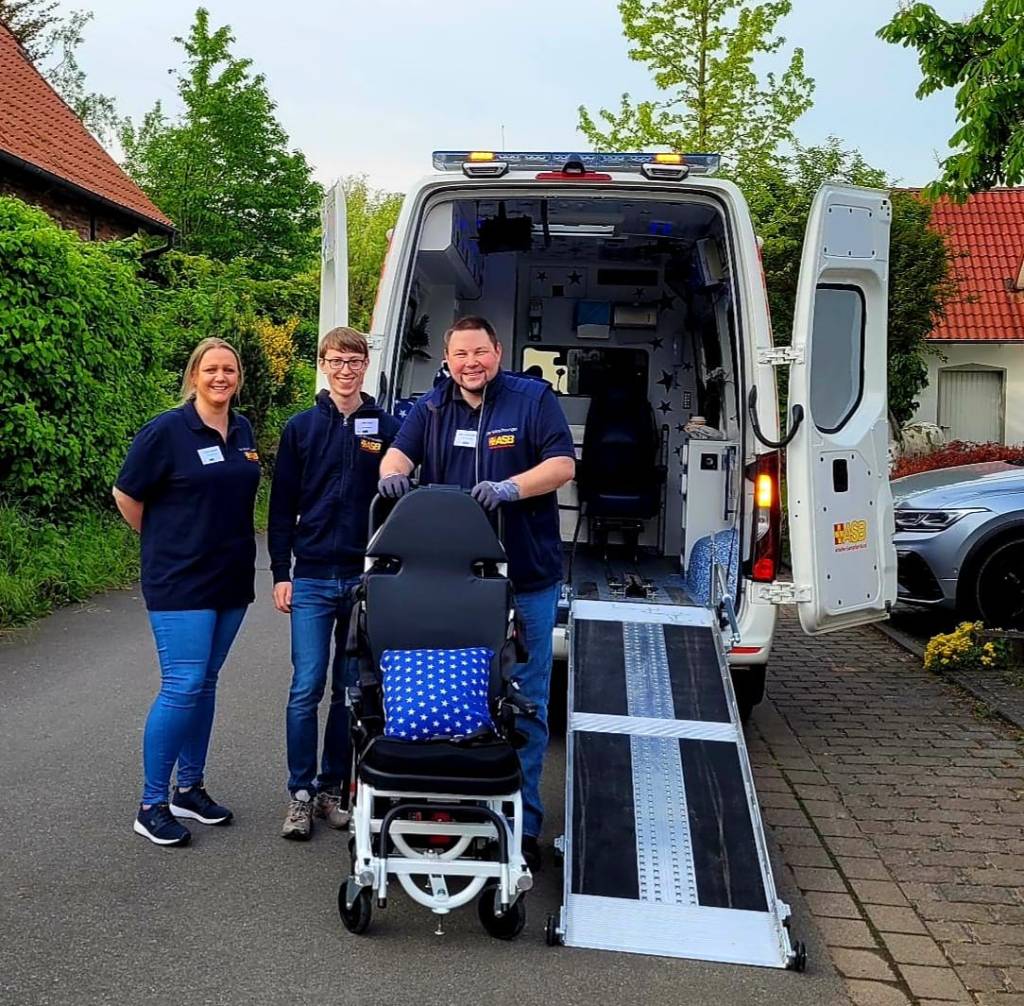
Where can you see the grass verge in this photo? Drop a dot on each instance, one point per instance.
(43, 566)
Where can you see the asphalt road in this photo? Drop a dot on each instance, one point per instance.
(91, 913)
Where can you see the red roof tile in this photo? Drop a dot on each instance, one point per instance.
(37, 127)
(985, 236)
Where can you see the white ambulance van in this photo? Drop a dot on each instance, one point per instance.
(632, 283)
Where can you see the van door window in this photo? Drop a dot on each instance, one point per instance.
(837, 355)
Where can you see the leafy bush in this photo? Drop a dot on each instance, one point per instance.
(958, 452)
(43, 565)
(79, 362)
(963, 650)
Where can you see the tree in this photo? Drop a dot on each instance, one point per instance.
(701, 54)
(31, 22)
(98, 112)
(223, 171)
(983, 58)
(919, 269)
(371, 214)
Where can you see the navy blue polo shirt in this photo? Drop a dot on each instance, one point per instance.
(519, 425)
(198, 540)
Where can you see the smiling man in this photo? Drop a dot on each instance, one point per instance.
(506, 439)
(324, 479)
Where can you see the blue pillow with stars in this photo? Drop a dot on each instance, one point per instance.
(436, 694)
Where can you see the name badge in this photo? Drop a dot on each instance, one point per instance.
(465, 438)
(366, 427)
(210, 455)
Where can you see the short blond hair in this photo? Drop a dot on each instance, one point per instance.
(344, 340)
(188, 380)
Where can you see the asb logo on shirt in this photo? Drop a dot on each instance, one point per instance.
(501, 438)
(373, 446)
(250, 454)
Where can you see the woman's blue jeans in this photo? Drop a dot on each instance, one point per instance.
(320, 611)
(192, 647)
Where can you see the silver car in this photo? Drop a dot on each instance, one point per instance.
(960, 541)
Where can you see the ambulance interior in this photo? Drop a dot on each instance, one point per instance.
(624, 304)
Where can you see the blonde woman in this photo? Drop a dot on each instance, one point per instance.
(188, 486)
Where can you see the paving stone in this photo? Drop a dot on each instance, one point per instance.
(876, 994)
(979, 979)
(863, 869)
(878, 892)
(811, 879)
(934, 983)
(907, 949)
(889, 919)
(846, 933)
(861, 964)
(1001, 999)
(991, 954)
(833, 906)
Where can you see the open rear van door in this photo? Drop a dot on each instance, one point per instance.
(840, 506)
(333, 264)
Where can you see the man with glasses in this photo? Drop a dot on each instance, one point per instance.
(324, 479)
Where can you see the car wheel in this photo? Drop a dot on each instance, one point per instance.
(999, 586)
(748, 685)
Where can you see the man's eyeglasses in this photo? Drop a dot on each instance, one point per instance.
(353, 363)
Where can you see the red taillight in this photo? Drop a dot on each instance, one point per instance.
(767, 526)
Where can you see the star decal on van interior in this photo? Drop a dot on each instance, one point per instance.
(665, 408)
(574, 278)
(667, 380)
(657, 343)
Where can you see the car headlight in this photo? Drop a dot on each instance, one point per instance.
(931, 520)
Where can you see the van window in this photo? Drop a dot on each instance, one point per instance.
(587, 371)
(837, 355)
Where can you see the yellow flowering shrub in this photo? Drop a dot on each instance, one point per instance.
(278, 345)
(962, 649)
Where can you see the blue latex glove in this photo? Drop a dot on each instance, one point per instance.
(490, 494)
(394, 485)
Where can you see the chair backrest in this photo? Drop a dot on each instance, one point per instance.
(620, 445)
(431, 588)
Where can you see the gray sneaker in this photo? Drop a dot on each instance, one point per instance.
(329, 806)
(298, 824)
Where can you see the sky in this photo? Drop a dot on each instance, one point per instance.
(372, 87)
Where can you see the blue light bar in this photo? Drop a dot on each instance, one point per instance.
(452, 160)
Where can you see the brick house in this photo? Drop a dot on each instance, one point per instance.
(48, 158)
(975, 385)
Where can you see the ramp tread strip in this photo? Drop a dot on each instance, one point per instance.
(641, 612)
(665, 864)
(647, 726)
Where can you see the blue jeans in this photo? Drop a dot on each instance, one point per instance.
(538, 610)
(320, 610)
(192, 647)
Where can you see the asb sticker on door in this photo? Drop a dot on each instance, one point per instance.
(850, 535)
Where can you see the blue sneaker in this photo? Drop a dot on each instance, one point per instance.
(159, 826)
(195, 803)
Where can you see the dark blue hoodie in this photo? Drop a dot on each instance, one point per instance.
(324, 480)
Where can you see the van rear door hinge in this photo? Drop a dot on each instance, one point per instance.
(782, 593)
(779, 356)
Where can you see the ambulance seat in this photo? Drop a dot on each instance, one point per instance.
(619, 475)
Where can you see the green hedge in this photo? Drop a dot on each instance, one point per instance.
(79, 361)
(43, 566)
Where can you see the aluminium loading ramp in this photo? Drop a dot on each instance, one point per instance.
(664, 847)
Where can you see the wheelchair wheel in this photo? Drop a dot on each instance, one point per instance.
(501, 927)
(357, 918)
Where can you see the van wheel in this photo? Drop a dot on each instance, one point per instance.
(748, 684)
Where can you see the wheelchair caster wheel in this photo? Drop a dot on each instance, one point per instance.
(799, 961)
(356, 918)
(506, 926)
(551, 934)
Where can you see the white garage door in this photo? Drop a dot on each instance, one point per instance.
(971, 405)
